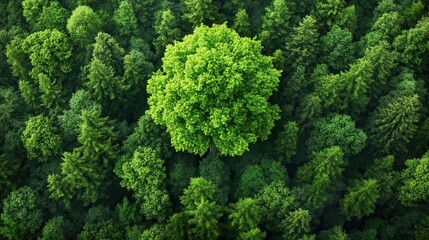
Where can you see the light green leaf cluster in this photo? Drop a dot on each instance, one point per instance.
(415, 188)
(213, 90)
(145, 175)
(40, 139)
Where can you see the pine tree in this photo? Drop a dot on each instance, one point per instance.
(241, 23)
(200, 12)
(245, 218)
(125, 19)
(201, 209)
(320, 179)
(85, 170)
(360, 199)
(296, 224)
(275, 25)
(166, 29)
(391, 127)
(286, 143)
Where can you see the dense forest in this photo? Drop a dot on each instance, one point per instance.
(203, 119)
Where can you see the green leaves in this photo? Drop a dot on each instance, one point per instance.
(84, 171)
(201, 210)
(213, 89)
(246, 215)
(43, 62)
(83, 25)
(361, 198)
(275, 24)
(415, 185)
(40, 139)
(392, 126)
(297, 223)
(337, 130)
(21, 216)
(287, 141)
(145, 175)
(200, 11)
(125, 19)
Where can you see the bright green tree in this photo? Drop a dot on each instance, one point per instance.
(83, 25)
(21, 217)
(217, 96)
(84, 171)
(414, 189)
(391, 127)
(360, 199)
(40, 139)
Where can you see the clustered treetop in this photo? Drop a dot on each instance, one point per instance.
(213, 91)
(146, 119)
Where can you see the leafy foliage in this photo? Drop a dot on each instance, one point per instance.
(235, 69)
(361, 198)
(291, 120)
(40, 139)
(21, 216)
(337, 130)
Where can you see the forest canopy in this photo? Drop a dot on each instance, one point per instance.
(204, 119)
